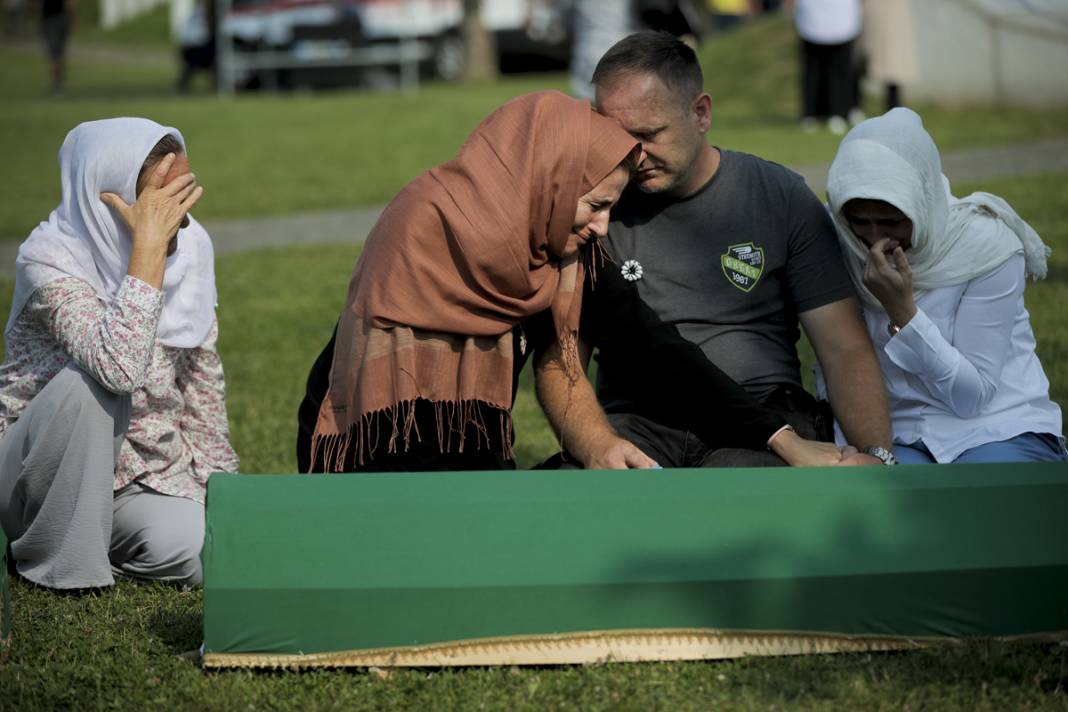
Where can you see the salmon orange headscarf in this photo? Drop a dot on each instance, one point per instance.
(461, 255)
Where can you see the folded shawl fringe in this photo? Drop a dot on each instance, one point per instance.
(452, 419)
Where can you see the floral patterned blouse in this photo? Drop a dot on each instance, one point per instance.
(178, 433)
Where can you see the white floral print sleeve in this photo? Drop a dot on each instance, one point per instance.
(178, 431)
(204, 423)
(112, 343)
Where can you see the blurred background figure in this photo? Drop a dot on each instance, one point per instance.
(13, 18)
(685, 19)
(727, 14)
(197, 44)
(889, 41)
(596, 26)
(480, 52)
(57, 20)
(829, 77)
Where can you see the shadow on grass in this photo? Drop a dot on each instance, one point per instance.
(1057, 273)
(178, 621)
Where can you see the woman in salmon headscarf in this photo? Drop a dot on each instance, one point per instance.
(421, 371)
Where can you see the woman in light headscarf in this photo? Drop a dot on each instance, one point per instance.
(942, 280)
(111, 393)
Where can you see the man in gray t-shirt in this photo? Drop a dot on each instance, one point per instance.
(729, 272)
(734, 251)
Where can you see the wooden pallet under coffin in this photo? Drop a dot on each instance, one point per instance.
(575, 566)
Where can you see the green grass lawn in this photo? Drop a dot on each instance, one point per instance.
(262, 155)
(118, 650)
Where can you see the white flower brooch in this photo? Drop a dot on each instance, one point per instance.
(631, 270)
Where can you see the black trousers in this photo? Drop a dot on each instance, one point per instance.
(829, 81)
(673, 447)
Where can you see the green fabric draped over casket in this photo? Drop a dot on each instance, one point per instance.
(371, 568)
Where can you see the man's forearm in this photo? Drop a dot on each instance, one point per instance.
(858, 398)
(571, 408)
(854, 382)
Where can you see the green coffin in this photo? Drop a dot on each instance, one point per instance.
(5, 599)
(573, 566)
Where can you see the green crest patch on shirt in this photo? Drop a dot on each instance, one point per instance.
(743, 264)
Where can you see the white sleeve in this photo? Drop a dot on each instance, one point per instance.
(964, 374)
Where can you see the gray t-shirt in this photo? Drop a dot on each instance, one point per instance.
(731, 267)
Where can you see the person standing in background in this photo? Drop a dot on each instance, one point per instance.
(596, 26)
(725, 15)
(197, 42)
(829, 81)
(57, 20)
(889, 40)
(13, 18)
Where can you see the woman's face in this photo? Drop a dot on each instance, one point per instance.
(179, 168)
(591, 215)
(875, 220)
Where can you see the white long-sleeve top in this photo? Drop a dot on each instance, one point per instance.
(828, 22)
(963, 372)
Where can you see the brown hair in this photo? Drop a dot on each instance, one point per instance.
(167, 144)
(657, 53)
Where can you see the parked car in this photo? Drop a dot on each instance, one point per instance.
(524, 30)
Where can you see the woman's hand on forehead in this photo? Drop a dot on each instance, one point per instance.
(161, 208)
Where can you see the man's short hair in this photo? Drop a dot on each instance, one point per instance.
(659, 53)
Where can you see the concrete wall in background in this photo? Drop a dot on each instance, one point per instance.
(1005, 52)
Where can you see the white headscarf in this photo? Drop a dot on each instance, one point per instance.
(85, 239)
(893, 159)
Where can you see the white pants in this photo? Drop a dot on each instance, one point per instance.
(67, 526)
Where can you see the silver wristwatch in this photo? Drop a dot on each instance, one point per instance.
(882, 453)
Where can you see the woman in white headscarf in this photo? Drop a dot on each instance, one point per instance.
(942, 280)
(111, 392)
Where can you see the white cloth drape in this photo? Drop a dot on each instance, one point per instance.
(83, 238)
(893, 159)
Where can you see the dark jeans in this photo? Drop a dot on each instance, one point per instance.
(829, 81)
(56, 31)
(672, 447)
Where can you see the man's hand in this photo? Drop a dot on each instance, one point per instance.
(860, 459)
(586, 434)
(615, 453)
